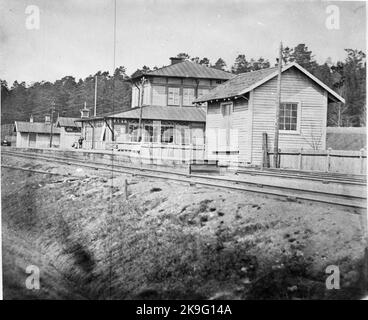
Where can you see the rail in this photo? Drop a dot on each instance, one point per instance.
(269, 188)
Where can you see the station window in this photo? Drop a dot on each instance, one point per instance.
(182, 134)
(167, 133)
(148, 133)
(173, 96)
(188, 96)
(133, 132)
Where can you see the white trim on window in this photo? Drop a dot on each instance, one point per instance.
(173, 97)
(298, 118)
(188, 96)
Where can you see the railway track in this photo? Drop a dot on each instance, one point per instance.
(290, 193)
(312, 176)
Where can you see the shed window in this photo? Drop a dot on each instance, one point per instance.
(174, 96)
(72, 129)
(289, 113)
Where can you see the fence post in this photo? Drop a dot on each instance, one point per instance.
(279, 158)
(301, 159)
(150, 149)
(191, 153)
(328, 160)
(126, 189)
(265, 160)
(361, 160)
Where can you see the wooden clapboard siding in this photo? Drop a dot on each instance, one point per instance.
(240, 133)
(295, 87)
(136, 95)
(147, 100)
(240, 121)
(159, 96)
(213, 122)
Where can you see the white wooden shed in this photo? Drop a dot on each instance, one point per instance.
(243, 108)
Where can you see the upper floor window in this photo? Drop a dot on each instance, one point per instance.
(289, 117)
(173, 96)
(188, 96)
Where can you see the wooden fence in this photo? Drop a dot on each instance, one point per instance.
(158, 151)
(339, 161)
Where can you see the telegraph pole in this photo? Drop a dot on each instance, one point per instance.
(143, 81)
(51, 120)
(277, 120)
(95, 111)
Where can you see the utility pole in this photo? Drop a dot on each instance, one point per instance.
(95, 111)
(277, 120)
(51, 120)
(143, 81)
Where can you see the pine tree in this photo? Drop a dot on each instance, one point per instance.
(220, 64)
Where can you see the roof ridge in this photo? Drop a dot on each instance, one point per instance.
(220, 73)
(251, 80)
(263, 69)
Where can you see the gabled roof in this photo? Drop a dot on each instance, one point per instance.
(187, 69)
(35, 127)
(67, 122)
(246, 82)
(191, 114)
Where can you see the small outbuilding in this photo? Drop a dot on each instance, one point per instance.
(243, 108)
(36, 134)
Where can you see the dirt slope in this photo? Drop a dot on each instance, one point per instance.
(169, 240)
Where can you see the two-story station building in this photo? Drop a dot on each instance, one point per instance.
(168, 116)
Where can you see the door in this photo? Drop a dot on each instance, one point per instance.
(226, 109)
(32, 140)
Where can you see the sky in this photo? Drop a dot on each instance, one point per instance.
(75, 37)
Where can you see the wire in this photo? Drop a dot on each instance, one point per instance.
(112, 155)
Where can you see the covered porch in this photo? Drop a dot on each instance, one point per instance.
(153, 138)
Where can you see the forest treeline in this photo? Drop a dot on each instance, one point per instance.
(68, 95)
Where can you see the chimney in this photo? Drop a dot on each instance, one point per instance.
(84, 112)
(31, 118)
(47, 119)
(175, 60)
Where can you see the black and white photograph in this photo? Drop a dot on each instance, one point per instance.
(205, 151)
